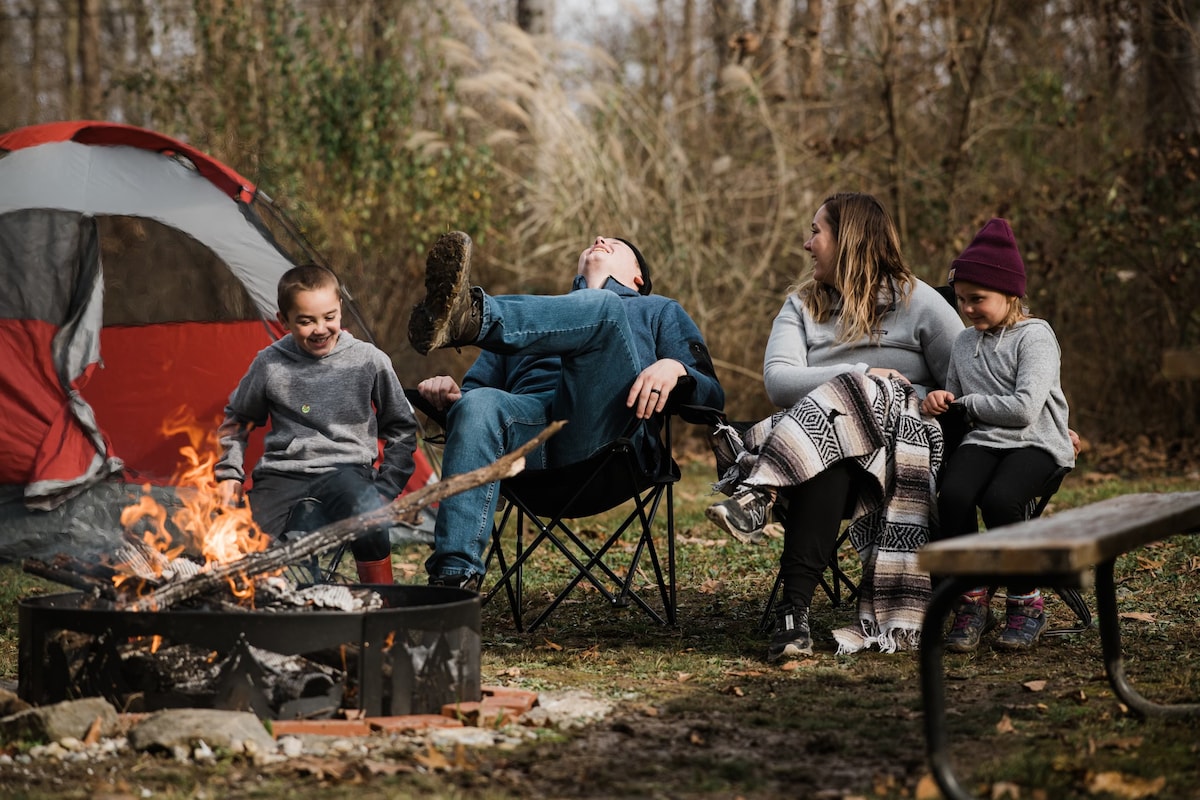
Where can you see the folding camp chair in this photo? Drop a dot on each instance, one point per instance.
(546, 502)
(1070, 597)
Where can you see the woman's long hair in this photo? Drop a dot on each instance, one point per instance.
(871, 272)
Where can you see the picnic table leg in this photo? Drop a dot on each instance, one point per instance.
(933, 683)
(1114, 662)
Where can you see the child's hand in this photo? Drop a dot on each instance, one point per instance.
(936, 402)
(230, 492)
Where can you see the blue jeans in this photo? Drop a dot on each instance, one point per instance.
(588, 329)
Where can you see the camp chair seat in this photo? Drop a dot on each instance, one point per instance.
(546, 502)
(549, 499)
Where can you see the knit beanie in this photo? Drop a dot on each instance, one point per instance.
(645, 287)
(992, 260)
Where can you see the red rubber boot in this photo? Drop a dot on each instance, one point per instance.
(375, 571)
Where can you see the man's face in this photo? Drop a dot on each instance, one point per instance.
(606, 258)
(315, 320)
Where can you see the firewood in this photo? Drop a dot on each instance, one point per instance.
(325, 538)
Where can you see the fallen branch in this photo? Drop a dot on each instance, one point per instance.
(70, 575)
(337, 533)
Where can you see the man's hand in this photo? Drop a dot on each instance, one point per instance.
(648, 395)
(936, 402)
(440, 391)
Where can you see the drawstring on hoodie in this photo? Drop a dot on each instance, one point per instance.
(979, 340)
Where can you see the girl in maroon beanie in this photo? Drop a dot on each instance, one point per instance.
(1004, 374)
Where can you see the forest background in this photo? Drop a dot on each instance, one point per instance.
(706, 131)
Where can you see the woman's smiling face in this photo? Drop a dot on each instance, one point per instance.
(823, 246)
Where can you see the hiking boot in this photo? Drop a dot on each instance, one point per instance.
(468, 582)
(452, 312)
(1024, 628)
(792, 636)
(972, 621)
(743, 515)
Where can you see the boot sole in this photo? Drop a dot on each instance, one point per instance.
(447, 273)
(790, 650)
(721, 520)
(989, 626)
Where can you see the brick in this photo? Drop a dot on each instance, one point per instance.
(413, 722)
(321, 727)
(519, 700)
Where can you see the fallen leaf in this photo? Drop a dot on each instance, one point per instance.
(552, 645)
(1034, 686)
(683, 677)
(711, 586)
(372, 767)
(736, 691)
(1123, 743)
(1147, 564)
(1140, 616)
(95, 731)
(1126, 786)
(1005, 725)
(432, 759)
(927, 788)
(791, 666)
(696, 738)
(1002, 789)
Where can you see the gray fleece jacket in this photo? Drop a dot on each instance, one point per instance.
(915, 340)
(324, 412)
(1008, 382)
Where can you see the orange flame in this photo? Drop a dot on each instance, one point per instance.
(203, 524)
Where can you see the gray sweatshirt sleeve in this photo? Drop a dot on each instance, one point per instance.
(787, 374)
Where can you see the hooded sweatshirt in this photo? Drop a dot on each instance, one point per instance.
(324, 413)
(1007, 379)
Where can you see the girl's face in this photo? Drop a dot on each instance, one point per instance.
(315, 320)
(823, 247)
(983, 308)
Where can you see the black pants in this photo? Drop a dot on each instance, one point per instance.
(815, 510)
(284, 502)
(999, 482)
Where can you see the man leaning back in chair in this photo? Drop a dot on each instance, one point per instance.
(604, 357)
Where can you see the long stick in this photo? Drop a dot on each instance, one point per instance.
(340, 532)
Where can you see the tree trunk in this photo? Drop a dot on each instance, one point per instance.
(812, 87)
(970, 51)
(91, 95)
(776, 21)
(1171, 70)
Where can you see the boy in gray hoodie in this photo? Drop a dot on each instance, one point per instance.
(1004, 375)
(330, 399)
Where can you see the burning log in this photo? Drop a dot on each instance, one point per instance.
(330, 536)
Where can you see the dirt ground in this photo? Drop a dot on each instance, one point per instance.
(699, 714)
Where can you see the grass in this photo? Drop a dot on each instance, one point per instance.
(701, 714)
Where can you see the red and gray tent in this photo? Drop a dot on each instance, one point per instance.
(139, 279)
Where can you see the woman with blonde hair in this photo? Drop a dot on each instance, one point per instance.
(852, 353)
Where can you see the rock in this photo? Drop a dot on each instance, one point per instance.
(188, 729)
(69, 719)
(11, 704)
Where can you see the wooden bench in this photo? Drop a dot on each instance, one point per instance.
(1075, 549)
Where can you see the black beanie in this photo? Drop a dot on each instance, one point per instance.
(645, 287)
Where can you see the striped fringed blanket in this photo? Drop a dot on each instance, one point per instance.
(878, 425)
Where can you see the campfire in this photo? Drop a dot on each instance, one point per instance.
(195, 608)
